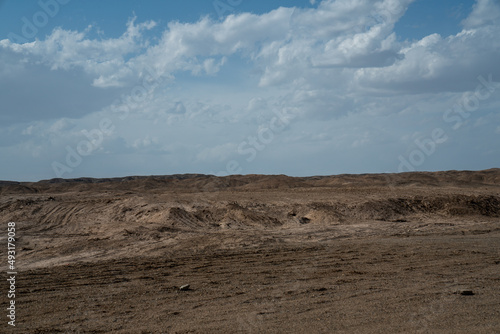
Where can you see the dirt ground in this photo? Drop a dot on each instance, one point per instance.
(395, 253)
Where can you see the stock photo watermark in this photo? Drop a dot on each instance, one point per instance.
(456, 115)
(11, 273)
(427, 316)
(30, 26)
(74, 156)
(224, 6)
(382, 16)
(249, 148)
(94, 138)
(253, 144)
(265, 135)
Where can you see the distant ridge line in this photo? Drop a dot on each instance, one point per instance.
(91, 180)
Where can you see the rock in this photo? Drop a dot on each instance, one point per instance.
(304, 220)
(467, 293)
(184, 287)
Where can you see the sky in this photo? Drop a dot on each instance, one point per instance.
(296, 87)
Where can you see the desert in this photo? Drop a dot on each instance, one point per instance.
(368, 253)
(232, 166)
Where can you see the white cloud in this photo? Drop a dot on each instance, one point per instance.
(287, 45)
(60, 125)
(434, 64)
(65, 50)
(484, 12)
(146, 143)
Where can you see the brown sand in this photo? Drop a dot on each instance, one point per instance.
(262, 254)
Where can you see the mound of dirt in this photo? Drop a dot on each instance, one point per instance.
(454, 205)
(200, 202)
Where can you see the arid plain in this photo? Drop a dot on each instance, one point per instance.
(373, 253)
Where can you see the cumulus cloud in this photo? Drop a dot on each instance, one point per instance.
(484, 12)
(287, 45)
(65, 50)
(436, 64)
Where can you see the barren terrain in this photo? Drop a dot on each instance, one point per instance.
(375, 253)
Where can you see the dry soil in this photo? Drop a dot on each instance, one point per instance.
(375, 253)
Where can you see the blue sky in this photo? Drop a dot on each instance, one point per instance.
(293, 87)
